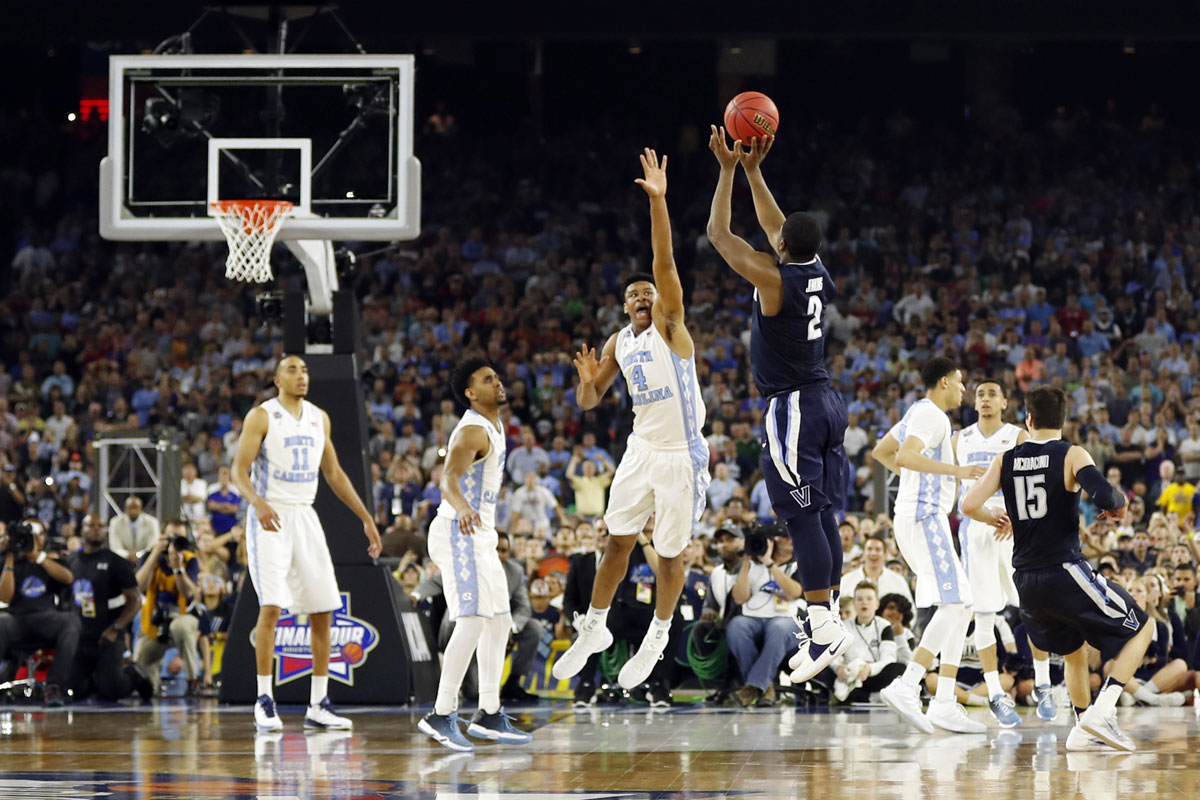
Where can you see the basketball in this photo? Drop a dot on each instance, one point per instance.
(352, 652)
(751, 114)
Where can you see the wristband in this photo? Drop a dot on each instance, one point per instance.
(41, 557)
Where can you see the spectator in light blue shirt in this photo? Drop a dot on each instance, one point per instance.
(527, 457)
(597, 454)
(1040, 310)
(559, 455)
(144, 400)
(59, 378)
(721, 488)
(760, 501)
(1091, 343)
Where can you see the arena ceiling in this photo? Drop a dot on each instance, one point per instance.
(377, 22)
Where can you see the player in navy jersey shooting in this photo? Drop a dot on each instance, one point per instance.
(804, 463)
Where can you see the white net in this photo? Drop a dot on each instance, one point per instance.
(250, 227)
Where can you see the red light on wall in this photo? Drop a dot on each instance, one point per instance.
(90, 108)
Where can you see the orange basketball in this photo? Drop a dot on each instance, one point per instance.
(352, 653)
(751, 114)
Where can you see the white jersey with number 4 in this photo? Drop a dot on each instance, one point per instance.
(667, 408)
(289, 460)
(480, 484)
(976, 448)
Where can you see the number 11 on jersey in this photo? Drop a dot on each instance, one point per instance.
(299, 459)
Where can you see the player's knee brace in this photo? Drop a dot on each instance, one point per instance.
(985, 631)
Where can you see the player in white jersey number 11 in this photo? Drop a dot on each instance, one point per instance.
(283, 443)
(664, 470)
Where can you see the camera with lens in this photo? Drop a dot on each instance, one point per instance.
(161, 618)
(176, 543)
(21, 537)
(756, 541)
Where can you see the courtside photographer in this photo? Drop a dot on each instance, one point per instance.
(168, 577)
(31, 582)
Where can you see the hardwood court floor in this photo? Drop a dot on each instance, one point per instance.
(199, 751)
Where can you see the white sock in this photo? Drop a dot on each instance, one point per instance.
(1145, 695)
(264, 685)
(945, 690)
(976, 699)
(992, 679)
(491, 660)
(1041, 672)
(1150, 687)
(456, 659)
(318, 690)
(913, 674)
(818, 615)
(1106, 702)
(596, 618)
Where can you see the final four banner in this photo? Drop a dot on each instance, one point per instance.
(380, 647)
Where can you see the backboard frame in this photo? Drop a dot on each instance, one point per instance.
(116, 223)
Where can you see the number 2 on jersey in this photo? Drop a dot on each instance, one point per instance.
(299, 459)
(1031, 496)
(814, 311)
(638, 378)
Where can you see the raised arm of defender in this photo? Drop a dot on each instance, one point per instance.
(667, 311)
(595, 376)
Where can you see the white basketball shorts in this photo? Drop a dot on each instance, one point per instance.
(668, 481)
(472, 575)
(989, 567)
(928, 548)
(291, 568)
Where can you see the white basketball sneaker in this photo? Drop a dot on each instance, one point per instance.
(818, 655)
(1105, 729)
(597, 639)
(906, 701)
(637, 669)
(949, 715)
(265, 718)
(323, 717)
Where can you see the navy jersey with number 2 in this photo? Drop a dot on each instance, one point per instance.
(787, 351)
(804, 463)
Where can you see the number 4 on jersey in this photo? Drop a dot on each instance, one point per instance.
(639, 378)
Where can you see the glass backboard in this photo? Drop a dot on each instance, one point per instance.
(332, 134)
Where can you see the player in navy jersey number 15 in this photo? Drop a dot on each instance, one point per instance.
(803, 460)
(1065, 605)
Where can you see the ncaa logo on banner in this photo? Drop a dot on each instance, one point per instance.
(351, 641)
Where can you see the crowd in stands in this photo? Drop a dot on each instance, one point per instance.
(1068, 254)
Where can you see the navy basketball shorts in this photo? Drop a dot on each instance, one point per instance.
(1069, 604)
(804, 462)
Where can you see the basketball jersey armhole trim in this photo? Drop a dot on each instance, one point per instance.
(472, 423)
